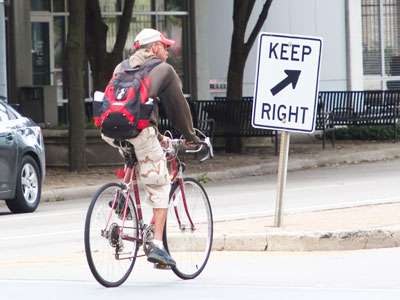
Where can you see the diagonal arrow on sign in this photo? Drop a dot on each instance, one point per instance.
(292, 78)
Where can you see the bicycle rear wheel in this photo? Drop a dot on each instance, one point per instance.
(188, 231)
(111, 254)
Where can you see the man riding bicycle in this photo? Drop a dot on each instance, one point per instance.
(165, 85)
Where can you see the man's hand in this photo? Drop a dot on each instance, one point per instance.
(189, 145)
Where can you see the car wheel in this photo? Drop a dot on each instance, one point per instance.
(28, 187)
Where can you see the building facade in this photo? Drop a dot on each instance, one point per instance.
(361, 47)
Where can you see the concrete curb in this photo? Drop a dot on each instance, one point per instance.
(78, 192)
(309, 241)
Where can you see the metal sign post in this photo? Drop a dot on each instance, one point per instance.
(282, 171)
(286, 92)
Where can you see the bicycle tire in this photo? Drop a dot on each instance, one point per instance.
(189, 247)
(110, 256)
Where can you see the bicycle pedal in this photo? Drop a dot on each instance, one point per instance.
(162, 267)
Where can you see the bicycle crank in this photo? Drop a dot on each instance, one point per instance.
(148, 235)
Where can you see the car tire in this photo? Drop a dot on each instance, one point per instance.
(28, 188)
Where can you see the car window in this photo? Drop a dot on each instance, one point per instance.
(12, 114)
(3, 112)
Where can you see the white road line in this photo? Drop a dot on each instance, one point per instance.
(6, 238)
(39, 215)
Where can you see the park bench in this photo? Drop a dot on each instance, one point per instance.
(361, 108)
(221, 118)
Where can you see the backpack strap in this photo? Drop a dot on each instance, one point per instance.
(125, 64)
(150, 64)
(147, 66)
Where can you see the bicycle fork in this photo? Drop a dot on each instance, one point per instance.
(174, 202)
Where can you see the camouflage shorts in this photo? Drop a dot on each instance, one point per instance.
(152, 167)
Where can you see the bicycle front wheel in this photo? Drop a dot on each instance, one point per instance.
(111, 246)
(188, 231)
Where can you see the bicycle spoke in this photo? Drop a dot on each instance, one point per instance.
(189, 229)
(110, 242)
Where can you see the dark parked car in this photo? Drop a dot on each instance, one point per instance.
(22, 160)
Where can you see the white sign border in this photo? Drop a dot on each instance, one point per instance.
(281, 35)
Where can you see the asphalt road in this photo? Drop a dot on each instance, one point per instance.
(364, 274)
(41, 254)
(313, 189)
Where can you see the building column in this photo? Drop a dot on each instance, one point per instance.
(19, 41)
(355, 74)
(3, 60)
(202, 52)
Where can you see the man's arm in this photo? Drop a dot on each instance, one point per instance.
(166, 84)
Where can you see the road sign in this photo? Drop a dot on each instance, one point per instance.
(287, 76)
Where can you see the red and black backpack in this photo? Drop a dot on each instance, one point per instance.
(126, 107)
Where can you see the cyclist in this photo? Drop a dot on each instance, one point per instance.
(152, 166)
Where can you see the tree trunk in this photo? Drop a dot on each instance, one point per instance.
(237, 61)
(234, 93)
(103, 63)
(75, 87)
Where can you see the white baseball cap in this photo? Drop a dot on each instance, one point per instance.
(148, 35)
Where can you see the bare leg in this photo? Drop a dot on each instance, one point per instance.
(160, 215)
(158, 255)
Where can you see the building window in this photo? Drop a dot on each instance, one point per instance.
(59, 56)
(168, 16)
(40, 38)
(381, 44)
(58, 5)
(40, 5)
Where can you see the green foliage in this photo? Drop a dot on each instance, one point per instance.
(61, 126)
(203, 178)
(376, 133)
(88, 125)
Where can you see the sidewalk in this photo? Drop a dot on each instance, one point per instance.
(363, 227)
(371, 226)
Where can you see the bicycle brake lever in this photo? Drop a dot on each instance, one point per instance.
(204, 144)
(209, 146)
(205, 157)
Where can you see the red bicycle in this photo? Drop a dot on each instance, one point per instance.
(115, 229)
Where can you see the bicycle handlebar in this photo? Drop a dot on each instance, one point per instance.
(202, 144)
(206, 143)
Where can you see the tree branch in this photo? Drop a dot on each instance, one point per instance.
(124, 26)
(93, 13)
(241, 11)
(261, 19)
(249, 8)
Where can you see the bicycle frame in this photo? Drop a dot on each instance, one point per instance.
(175, 174)
(115, 228)
(130, 182)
